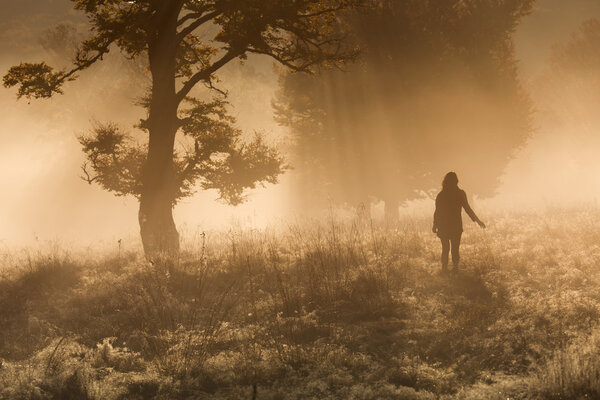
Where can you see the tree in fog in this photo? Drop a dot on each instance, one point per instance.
(185, 42)
(570, 87)
(436, 90)
(567, 96)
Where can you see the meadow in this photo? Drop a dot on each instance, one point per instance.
(334, 309)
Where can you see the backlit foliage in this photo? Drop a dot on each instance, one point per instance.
(202, 36)
(218, 157)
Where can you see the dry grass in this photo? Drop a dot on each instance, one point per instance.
(342, 309)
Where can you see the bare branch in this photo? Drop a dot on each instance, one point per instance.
(86, 175)
(209, 85)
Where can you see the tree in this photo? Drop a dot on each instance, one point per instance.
(567, 96)
(569, 88)
(171, 35)
(437, 89)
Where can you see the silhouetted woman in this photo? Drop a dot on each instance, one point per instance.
(447, 219)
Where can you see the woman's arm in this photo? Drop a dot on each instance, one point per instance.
(470, 212)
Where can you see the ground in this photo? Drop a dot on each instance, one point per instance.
(334, 309)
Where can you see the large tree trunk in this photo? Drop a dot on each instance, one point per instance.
(159, 181)
(157, 227)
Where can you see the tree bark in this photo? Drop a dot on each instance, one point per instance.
(157, 227)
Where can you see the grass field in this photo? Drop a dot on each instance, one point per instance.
(350, 309)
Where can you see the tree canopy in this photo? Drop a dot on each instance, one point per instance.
(437, 89)
(185, 43)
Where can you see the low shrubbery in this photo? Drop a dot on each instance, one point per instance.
(350, 310)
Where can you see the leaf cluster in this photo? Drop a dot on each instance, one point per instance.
(35, 80)
(115, 161)
(219, 158)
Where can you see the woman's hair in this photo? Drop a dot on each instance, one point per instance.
(450, 180)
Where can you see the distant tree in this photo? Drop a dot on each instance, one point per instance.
(61, 40)
(570, 87)
(567, 96)
(185, 43)
(436, 90)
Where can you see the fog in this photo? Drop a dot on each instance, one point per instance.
(40, 157)
(558, 165)
(44, 198)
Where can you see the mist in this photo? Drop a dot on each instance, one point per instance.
(557, 166)
(264, 199)
(45, 199)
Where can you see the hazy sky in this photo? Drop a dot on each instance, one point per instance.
(42, 194)
(551, 22)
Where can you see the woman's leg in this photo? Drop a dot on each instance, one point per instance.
(445, 251)
(455, 250)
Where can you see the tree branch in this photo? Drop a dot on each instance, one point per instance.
(324, 11)
(209, 85)
(288, 62)
(86, 175)
(192, 163)
(205, 73)
(196, 24)
(83, 64)
(188, 16)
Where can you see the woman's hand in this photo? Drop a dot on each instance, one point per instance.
(481, 224)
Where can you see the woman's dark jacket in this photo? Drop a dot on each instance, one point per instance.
(448, 209)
